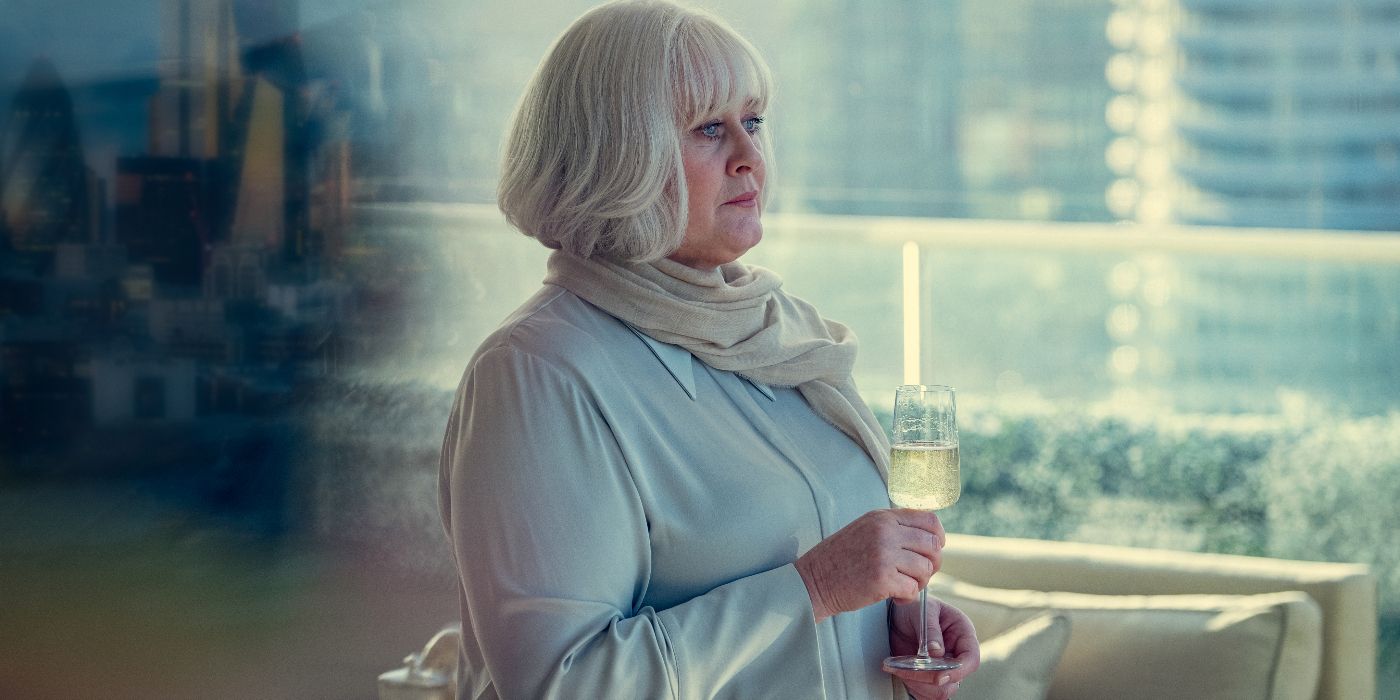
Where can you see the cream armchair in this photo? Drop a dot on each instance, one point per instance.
(1312, 625)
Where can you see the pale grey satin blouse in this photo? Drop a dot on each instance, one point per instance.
(625, 518)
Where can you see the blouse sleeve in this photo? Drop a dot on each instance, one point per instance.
(552, 548)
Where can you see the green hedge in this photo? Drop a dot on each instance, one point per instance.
(1304, 486)
(1337, 491)
(1310, 484)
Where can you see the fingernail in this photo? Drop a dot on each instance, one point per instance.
(943, 679)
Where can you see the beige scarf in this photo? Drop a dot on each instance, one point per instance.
(735, 318)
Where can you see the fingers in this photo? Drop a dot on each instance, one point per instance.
(928, 685)
(949, 628)
(922, 691)
(882, 554)
(919, 541)
(964, 649)
(960, 637)
(909, 573)
(919, 535)
(918, 568)
(923, 538)
(931, 684)
(925, 520)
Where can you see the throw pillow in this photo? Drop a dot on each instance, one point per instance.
(1019, 663)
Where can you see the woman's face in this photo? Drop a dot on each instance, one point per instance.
(724, 177)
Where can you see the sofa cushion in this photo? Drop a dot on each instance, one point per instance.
(1019, 663)
(1165, 646)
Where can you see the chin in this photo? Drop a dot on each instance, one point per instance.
(747, 237)
(741, 247)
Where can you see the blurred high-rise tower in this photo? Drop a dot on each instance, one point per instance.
(223, 167)
(877, 89)
(277, 121)
(48, 194)
(1257, 112)
(200, 79)
(944, 108)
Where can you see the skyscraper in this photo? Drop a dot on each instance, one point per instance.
(164, 212)
(274, 55)
(877, 89)
(223, 167)
(46, 187)
(1031, 132)
(200, 79)
(1254, 113)
(943, 108)
(259, 216)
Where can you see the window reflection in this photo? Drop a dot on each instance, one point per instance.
(246, 246)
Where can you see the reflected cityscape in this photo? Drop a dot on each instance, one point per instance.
(246, 246)
(185, 299)
(200, 266)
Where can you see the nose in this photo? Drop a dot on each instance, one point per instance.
(747, 156)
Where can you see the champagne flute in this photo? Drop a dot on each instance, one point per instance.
(924, 474)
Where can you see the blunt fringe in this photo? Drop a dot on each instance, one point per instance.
(592, 159)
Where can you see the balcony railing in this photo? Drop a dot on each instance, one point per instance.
(1224, 387)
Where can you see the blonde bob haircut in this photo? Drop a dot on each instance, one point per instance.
(592, 162)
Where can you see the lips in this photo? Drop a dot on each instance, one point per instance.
(746, 199)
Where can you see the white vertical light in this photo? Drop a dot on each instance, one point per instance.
(911, 313)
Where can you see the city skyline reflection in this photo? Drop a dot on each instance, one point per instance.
(246, 247)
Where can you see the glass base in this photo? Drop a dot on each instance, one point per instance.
(927, 663)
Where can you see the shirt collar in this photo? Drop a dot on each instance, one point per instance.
(764, 389)
(677, 361)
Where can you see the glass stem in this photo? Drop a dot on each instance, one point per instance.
(923, 623)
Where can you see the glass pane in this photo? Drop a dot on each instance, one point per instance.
(247, 247)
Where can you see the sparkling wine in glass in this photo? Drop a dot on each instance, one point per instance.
(924, 474)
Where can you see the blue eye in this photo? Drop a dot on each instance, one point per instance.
(715, 130)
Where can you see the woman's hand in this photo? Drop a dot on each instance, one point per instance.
(950, 634)
(882, 554)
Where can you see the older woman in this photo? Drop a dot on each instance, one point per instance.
(658, 477)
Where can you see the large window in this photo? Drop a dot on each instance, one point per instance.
(1154, 243)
